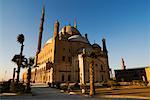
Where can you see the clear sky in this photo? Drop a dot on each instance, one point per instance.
(124, 23)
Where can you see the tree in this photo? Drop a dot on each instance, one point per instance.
(91, 55)
(92, 88)
(20, 39)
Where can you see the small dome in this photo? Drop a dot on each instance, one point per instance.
(69, 30)
(78, 38)
(95, 45)
(49, 41)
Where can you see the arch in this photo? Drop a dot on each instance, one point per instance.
(62, 77)
(69, 78)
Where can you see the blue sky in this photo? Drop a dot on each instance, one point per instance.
(124, 23)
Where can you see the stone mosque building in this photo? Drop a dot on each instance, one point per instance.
(64, 57)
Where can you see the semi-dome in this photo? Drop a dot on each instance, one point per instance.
(48, 41)
(95, 45)
(69, 30)
(78, 38)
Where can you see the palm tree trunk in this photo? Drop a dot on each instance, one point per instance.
(92, 88)
(14, 71)
(20, 62)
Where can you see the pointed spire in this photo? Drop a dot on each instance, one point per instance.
(43, 10)
(40, 35)
(56, 28)
(75, 23)
(104, 45)
(123, 64)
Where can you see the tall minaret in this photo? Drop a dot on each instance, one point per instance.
(123, 64)
(56, 28)
(104, 45)
(41, 30)
(40, 35)
(105, 52)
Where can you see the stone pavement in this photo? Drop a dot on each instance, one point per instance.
(43, 92)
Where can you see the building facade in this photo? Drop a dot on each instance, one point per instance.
(65, 54)
(128, 75)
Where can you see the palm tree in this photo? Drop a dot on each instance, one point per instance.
(91, 56)
(92, 88)
(20, 39)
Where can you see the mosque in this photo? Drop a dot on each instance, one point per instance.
(66, 57)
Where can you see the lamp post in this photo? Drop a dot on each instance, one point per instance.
(29, 63)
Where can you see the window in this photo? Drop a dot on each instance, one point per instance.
(101, 67)
(102, 77)
(69, 77)
(62, 77)
(63, 58)
(69, 59)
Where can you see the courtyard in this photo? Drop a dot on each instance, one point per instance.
(43, 92)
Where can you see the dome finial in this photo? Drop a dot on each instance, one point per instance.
(75, 23)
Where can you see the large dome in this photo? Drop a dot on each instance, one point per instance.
(69, 30)
(78, 38)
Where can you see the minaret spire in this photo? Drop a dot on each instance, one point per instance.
(40, 35)
(104, 45)
(41, 30)
(56, 28)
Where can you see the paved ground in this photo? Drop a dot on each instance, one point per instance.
(42, 92)
(45, 93)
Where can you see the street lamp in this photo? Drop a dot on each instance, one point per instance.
(29, 63)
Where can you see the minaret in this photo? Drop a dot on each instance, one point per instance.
(123, 64)
(104, 45)
(40, 35)
(105, 52)
(56, 28)
(41, 31)
(75, 24)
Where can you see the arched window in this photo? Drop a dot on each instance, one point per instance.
(69, 77)
(102, 77)
(63, 58)
(62, 77)
(69, 59)
(101, 67)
